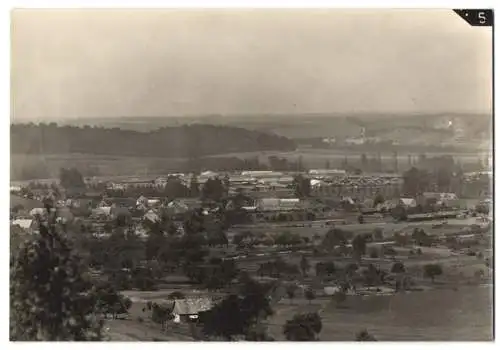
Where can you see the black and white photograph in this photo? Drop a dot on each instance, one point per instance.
(251, 175)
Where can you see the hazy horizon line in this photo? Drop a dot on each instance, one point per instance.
(236, 115)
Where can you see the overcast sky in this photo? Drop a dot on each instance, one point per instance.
(68, 64)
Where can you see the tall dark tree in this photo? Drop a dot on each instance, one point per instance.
(415, 182)
(213, 189)
(304, 265)
(359, 245)
(432, 271)
(421, 238)
(302, 186)
(217, 237)
(238, 313)
(155, 243)
(110, 301)
(175, 188)
(160, 314)
(333, 238)
(51, 297)
(217, 273)
(309, 294)
(71, 178)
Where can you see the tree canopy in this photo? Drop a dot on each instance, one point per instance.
(333, 238)
(71, 178)
(415, 181)
(432, 271)
(51, 297)
(239, 312)
(184, 141)
(302, 186)
(398, 267)
(303, 327)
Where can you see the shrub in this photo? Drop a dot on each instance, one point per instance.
(365, 336)
(303, 327)
(432, 270)
(398, 267)
(309, 294)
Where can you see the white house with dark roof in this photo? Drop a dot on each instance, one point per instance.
(188, 309)
(408, 202)
(27, 225)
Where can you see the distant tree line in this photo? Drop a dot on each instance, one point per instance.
(186, 141)
(383, 146)
(429, 174)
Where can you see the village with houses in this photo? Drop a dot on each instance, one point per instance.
(317, 237)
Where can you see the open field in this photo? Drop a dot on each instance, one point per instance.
(464, 314)
(131, 329)
(105, 165)
(127, 165)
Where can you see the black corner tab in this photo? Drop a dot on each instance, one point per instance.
(477, 17)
